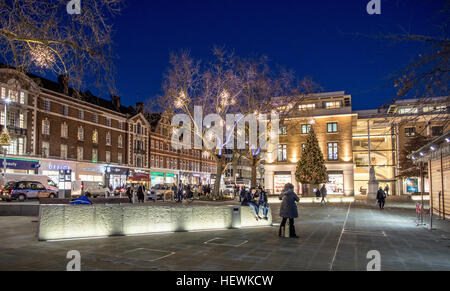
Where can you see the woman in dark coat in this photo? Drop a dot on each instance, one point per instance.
(288, 210)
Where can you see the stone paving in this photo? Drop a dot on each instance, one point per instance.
(335, 237)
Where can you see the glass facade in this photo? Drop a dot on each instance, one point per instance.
(382, 153)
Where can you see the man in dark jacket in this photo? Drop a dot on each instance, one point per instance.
(324, 194)
(140, 194)
(288, 210)
(130, 194)
(381, 197)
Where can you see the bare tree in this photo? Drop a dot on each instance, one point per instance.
(43, 36)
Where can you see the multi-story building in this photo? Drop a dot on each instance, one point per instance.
(389, 130)
(331, 116)
(169, 165)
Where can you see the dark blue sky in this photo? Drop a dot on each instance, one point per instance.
(315, 38)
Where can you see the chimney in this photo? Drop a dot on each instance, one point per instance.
(115, 101)
(63, 82)
(140, 107)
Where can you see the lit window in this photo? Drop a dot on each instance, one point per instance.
(332, 127)
(64, 130)
(333, 151)
(95, 136)
(46, 127)
(307, 107)
(21, 121)
(80, 114)
(94, 155)
(80, 134)
(283, 130)
(408, 110)
(65, 110)
(22, 98)
(120, 142)
(95, 118)
(306, 128)
(3, 93)
(282, 153)
(332, 104)
(108, 139)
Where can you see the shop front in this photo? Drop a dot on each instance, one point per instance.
(116, 177)
(164, 178)
(20, 166)
(280, 180)
(139, 177)
(335, 185)
(57, 170)
(90, 173)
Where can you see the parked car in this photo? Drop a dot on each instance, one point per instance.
(229, 191)
(94, 189)
(25, 190)
(44, 180)
(160, 192)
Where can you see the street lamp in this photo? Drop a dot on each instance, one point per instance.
(5, 140)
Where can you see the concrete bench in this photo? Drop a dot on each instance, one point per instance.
(53, 201)
(68, 222)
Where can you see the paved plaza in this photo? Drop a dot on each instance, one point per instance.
(336, 237)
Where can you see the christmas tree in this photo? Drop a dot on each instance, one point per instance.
(311, 167)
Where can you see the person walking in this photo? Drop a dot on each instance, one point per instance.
(130, 194)
(381, 197)
(288, 210)
(324, 194)
(386, 190)
(140, 194)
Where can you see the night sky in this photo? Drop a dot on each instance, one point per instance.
(332, 41)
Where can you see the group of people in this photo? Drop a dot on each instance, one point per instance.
(139, 191)
(256, 198)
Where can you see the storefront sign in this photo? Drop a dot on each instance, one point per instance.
(139, 176)
(20, 164)
(117, 171)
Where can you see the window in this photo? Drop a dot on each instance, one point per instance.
(46, 127)
(22, 98)
(81, 114)
(21, 121)
(333, 151)
(152, 144)
(95, 118)
(121, 125)
(21, 146)
(80, 154)
(13, 95)
(332, 104)
(306, 128)
(108, 122)
(64, 130)
(94, 155)
(65, 110)
(3, 93)
(282, 153)
(95, 136)
(437, 130)
(45, 149)
(120, 142)
(283, 130)
(157, 162)
(64, 151)
(119, 158)
(410, 131)
(332, 127)
(152, 162)
(80, 134)
(108, 157)
(408, 110)
(47, 105)
(161, 162)
(108, 139)
(307, 107)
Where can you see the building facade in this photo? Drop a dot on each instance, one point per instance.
(331, 116)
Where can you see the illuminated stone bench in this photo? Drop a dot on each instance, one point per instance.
(67, 222)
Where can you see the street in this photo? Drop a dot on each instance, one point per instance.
(336, 237)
